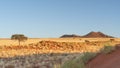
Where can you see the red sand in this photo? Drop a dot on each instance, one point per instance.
(111, 60)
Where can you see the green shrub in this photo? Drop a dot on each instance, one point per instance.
(79, 62)
(73, 64)
(87, 56)
(107, 49)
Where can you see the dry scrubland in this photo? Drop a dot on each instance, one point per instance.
(47, 52)
(6, 41)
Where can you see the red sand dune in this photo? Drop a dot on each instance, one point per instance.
(111, 60)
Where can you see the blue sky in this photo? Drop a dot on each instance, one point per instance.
(53, 18)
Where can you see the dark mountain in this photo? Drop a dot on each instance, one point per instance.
(69, 36)
(96, 35)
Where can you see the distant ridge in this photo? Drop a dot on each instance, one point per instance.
(70, 36)
(89, 35)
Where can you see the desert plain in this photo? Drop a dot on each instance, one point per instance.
(47, 52)
(8, 41)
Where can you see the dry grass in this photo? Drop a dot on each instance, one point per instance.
(9, 48)
(35, 40)
(63, 46)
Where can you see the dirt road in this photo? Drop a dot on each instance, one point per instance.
(106, 61)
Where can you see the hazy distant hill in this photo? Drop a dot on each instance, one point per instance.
(89, 35)
(70, 36)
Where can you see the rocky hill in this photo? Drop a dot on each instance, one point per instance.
(96, 35)
(89, 35)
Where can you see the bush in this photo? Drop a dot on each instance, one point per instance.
(107, 49)
(88, 56)
(73, 64)
(87, 41)
(79, 62)
(112, 40)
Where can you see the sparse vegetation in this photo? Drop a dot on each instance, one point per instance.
(83, 60)
(107, 49)
(45, 50)
(88, 56)
(79, 62)
(74, 63)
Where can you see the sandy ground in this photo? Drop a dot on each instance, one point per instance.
(111, 60)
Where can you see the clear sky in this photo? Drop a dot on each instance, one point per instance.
(53, 18)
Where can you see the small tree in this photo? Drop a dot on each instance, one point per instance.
(19, 37)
